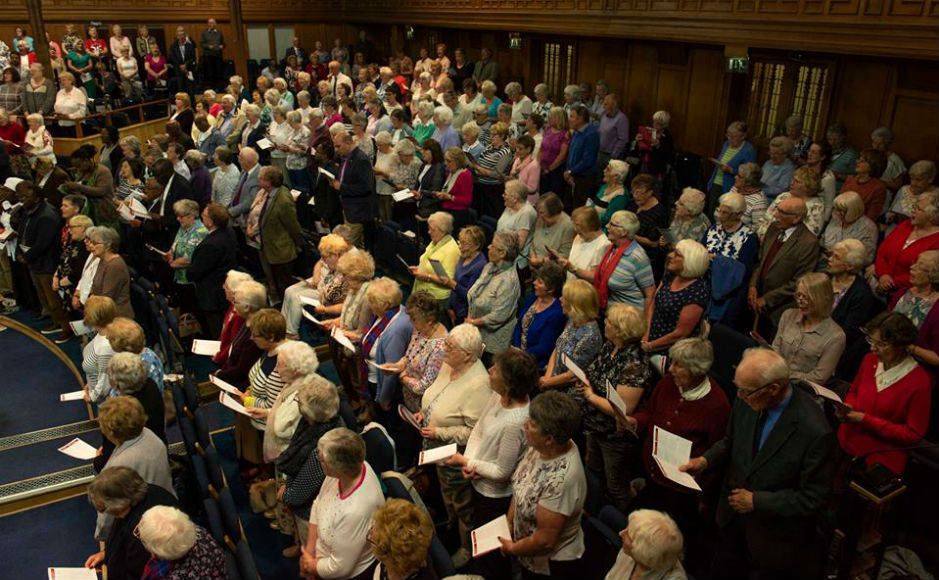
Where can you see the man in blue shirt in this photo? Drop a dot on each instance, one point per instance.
(581, 174)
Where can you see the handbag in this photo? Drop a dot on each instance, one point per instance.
(189, 325)
(263, 495)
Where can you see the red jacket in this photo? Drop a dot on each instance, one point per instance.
(896, 260)
(897, 416)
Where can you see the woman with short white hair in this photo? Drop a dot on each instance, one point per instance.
(612, 195)
(423, 121)
(652, 548)
(521, 104)
(341, 516)
(232, 321)
(922, 173)
(681, 298)
(572, 96)
(542, 105)
(689, 222)
(488, 98)
(493, 298)
(747, 183)
(849, 222)
(852, 302)
(444, 133)
(443, 250)
(730, 240)
(248, 298)
(422, 88)
(39, 139)
(177, 544)
(518, 218)
(624, 274)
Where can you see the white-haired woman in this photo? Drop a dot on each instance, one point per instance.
(624, 274)
(491, 169)
(852, 303)
(232, 321)
(730, 241)
(179, 549)
(190, 234)
(385, 162)
(493, 299)
(325, 286)
(384, 339)
(542, 104)
(342, 513)
(777, 170)
(450, 408)
(444, 133)
(423, 121)
(809, 340)
(443, 250)
(800, 141)
(297, 146)
(522, 107)
(518, 218)
(247, 298)
(612, 195)
(278, 133)
(655, 145)
(747, 183)
(902, 246)
(38, 139)
(922, 174)
(735, 152)
(652, 548)
(918, 304)
(572, 97)
(689, 222)
(849, 222)
(681, 298)
(127, 376)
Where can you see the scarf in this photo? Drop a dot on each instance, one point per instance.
(601, 279)
(156, 569)
(304, 440)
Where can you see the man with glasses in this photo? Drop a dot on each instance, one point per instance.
(778, 454)
(789, 250)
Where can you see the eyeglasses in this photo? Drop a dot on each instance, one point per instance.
(747, 395)
(876, 343)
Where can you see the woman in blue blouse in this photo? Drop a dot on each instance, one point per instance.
(542, 319)
(735, 152)
(468, 269)
(581, 339)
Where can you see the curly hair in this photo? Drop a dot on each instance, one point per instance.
(401, 535)
(121, 418)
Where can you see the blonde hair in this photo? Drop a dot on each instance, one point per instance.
(628, 322)
(333, 244)
(384, 292)
(657, 542)
(557, 119)
(851, 204)
(695, 257)
(401, 535)
(359, 265)
(125, 335)
(817, 287)
(100, 311)
(583, 302)
(121, 418)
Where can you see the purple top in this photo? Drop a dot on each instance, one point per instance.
(614, 134)
(551, 145)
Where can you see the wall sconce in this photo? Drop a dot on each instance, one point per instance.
(515, 41)
(409, 32)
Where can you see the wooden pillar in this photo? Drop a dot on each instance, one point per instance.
(238, 43)
(34, 10)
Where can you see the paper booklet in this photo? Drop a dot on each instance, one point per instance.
(408, 417)
(326, 173)
(486, 537)
(138, 209)
(342, 339)
(310, 317)
(80, 328)
(265, 144)
(671, 451)
(73, 396)
(826, 393)
(310, 301)
(437, 455)
(402, 195)
(72, 574)
(439, 269)
(206, 347)
(79, 449)
(227, 387)
(403, 261)
(295, 193)
(227, 400)
(578, 372)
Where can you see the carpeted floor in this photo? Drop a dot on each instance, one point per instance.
(57, 534)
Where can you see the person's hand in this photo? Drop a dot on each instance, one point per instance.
(469, 473)
(741, 500)
(639, 137)
(65, 282)
(429, 432)
(307, 563)
(76, 303)
(457, 459)
(87, 393)
(752, 295)
(414, 272)
(886, 283)
(568, 177)
(584, 389)
(385, 406)
(473, 321)
(55, 282)
(507, 546)
(95, 560)
(335, 184)
(100, 451)
(280, 492)
(759, 305)
(848, 415)
(624, 424)
(663, 242)
(258, 413)
(694, 466)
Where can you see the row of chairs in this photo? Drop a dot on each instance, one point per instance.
(212, 493)
(161, 327)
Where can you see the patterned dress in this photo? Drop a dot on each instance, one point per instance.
(629, 367)
(580, 343)
(185, 244)
(425, 356)
(669, 304)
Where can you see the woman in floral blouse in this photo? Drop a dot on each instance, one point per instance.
(611, 453)
(581, 339)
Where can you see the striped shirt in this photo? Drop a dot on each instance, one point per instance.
(633, 274)
(496, 160)
(265, 385)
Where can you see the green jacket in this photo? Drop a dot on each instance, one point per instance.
(281, 236)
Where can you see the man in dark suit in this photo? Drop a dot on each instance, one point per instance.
(277, 232)
(356, 186)
(789, 250)
(183, 60)
(298, 51)
(778, 455)
(208, 266)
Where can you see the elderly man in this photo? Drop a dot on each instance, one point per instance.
(182, 58)
(778, 453)
(213, 43)
(336, 78)
(230, 122)
(581, 174)
(789, 250)
(247, 186)
(614, 132)
(298, 51)
(356, 186)
(486, 69)
(276, 231)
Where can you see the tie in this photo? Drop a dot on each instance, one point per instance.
(758, 432)
(238, 188)
(334, 85)
(770, 256)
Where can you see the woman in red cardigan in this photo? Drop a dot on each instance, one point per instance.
(887, 406)
(687, 403)
(905, 243)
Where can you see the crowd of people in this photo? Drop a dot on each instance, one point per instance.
(260, 209)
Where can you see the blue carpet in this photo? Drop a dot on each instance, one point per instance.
(58, 534)
(42, 458)
(31, 381)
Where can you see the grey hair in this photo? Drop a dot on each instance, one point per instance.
(228, 98)
(317, 398)
(468, 339)
(775, 369)
(751, 173)
(298, 357)
(167, 532)
(508, 243)
(518, 188)
(572, 91)
(442, 220)
(738, 126)
(794, 121)
(855, 254)
(117, 488)
(405, 147)
(127, 372)
(504, 109)
(251, 294)
(694, 200)
(294, 117)
(235, 278)
(105, 235)
(541, 89)
(735, 201)
(444, 114)
(359, 119)
(695, 257)
(281, 110)
(657, 542)
(619, 169)
(131, 141)
(481, 108)
(931, 259)
(782, 142)
(884, 133)
(695, 354)
(304, 96)
(383, 138)
(425, 108)
(253, 109)
(932, 204)
(626, 220)
(317, 113)
(924, 168)
(343, 450)
(272, 96)
(194, 159)
(186, 207)
(663, 117)
(513, 88)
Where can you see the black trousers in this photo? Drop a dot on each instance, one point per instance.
(212, 67)
(486, 509)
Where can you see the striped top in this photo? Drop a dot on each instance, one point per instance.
(632, 275)
(497, 160)
(265, 385)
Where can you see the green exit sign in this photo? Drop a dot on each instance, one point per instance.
(738, 64)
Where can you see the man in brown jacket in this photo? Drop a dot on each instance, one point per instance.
(277, 231)
(789, 250)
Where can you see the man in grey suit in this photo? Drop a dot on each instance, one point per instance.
(778, 454)
(789, 250)
(240, 205)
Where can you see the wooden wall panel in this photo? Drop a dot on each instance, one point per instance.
(915, 118)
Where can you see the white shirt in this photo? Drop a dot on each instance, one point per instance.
(890, 377)
(71, 104)
(495, 447)
(181, 168)
(587, 255)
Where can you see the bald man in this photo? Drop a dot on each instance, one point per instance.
(778, 454)
(789, 250)
(336, 78)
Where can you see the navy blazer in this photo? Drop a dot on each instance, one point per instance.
(357, 189)
(544, 331)
(211, 260)
(255, 135)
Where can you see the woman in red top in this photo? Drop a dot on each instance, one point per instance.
(887, 406)
(12, 134)
(457, 194)
(95, 46)
(905, 243)
(868, 168)
(233, 320)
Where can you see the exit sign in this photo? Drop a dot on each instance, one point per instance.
(738, 64)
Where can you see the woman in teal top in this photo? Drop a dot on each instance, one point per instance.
(424, 124)
(612, 195)
(736, 151)
(190, 234)
(80, 64)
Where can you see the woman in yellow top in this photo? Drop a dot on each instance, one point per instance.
(443, 249)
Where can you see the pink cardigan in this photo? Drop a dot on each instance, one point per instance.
(462, 192)
(529, 173)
